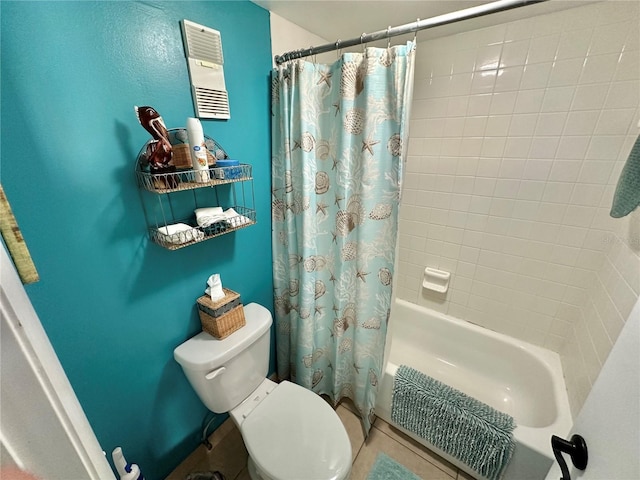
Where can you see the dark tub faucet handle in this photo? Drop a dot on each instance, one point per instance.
(576, 448)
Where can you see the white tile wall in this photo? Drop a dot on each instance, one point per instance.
(518, 135)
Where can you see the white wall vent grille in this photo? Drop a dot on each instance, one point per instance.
(213, 100)
(203, 49)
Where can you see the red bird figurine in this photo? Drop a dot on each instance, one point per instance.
(159, 152)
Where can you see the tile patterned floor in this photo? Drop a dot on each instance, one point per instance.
(229, 455)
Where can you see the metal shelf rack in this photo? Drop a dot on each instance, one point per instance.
(171, 198)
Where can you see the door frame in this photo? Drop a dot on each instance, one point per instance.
(75, 439)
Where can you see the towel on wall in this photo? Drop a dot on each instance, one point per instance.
(627, 196)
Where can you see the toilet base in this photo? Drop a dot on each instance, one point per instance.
(253, 471)
(254, 475)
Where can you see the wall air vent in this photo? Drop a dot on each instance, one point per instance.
(203, 49)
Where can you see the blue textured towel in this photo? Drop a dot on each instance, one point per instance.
(627, 196)
(461, 426)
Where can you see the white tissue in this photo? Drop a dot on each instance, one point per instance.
(235, 219)
(209, 216)
(214, 290)
(179, 233)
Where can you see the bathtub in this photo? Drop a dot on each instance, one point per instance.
(512, 376)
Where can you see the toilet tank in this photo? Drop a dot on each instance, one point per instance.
(224, 372)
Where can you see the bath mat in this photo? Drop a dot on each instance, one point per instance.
(386, 468)
(465, 428)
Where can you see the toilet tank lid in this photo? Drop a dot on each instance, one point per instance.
(204, 352)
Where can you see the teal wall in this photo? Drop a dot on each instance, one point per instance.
(113, 304)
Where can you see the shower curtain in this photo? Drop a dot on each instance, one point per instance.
(339, 138)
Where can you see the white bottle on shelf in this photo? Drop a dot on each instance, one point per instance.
(198, 150)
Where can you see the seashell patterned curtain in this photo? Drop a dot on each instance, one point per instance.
(339, 139)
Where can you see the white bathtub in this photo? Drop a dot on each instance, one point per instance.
(514, 377)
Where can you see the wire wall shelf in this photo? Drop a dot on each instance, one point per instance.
(170, 200)
(162, 183)
(245, 218)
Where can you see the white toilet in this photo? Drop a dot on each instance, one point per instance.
(290, 432)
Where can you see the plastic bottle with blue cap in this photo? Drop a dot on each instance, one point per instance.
(127, 471)
(227, 172)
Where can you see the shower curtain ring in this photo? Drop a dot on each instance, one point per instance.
(338, 48)
(415, 32)
(388, 37)
(362, 41)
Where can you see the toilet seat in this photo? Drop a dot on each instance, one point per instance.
(293, 434)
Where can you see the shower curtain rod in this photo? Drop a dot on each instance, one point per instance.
(466, 14)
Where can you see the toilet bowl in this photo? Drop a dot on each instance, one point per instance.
(290, 432)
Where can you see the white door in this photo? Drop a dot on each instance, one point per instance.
(610, 418)
(43, 428)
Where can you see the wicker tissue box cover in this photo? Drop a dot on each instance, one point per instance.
(222, 317)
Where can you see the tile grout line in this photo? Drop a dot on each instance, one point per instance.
(358, 454)
(419, 454)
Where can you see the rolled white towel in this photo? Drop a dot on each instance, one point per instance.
(180, 233)
(235, 219)
(209, 216)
